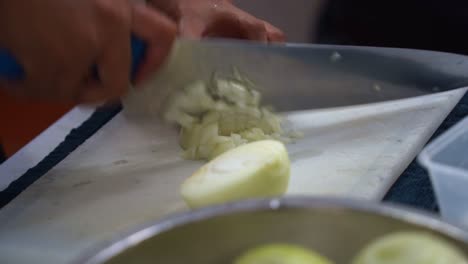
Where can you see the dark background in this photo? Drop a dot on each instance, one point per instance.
(419, 24)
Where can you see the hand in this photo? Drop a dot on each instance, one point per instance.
(217, 18)
(58, 41)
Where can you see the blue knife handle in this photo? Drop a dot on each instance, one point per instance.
(11, 70)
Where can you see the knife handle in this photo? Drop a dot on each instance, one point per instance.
(10, 69)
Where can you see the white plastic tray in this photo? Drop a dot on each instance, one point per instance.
(446, 159)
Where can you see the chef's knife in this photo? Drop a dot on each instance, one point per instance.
(303, 76)
(306, 76)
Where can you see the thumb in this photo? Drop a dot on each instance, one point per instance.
(274, 34)
(191, 29)
(159, 32)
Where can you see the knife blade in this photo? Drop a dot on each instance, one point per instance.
(305, 76)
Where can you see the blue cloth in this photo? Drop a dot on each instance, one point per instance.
(413, 188)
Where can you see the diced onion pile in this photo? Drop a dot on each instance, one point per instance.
(222, 114)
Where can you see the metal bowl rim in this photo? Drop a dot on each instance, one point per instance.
(123, 242)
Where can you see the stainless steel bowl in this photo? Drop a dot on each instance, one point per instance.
(334, 227)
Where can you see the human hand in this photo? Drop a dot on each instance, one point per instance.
(217, 18)
(58, 41)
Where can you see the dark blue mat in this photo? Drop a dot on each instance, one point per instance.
(2, 154)
(413, 188)
(75, 138)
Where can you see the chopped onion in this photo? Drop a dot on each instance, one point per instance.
(221, 114)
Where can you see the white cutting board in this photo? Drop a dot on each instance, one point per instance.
(129, 173)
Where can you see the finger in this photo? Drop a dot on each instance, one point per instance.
(91, 92)
(225, 24)
(158, 32)
(191, 29)
(274, 34)
(256, 31)
(71, 80)
(21, 89)
(254, 28)
(50, 73)
(40, 80)
(113, 64)
(27, 89)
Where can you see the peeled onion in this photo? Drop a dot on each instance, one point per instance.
(281, 254)
(410, 248)
(253, 170)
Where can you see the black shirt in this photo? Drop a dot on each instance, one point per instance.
(423, 24)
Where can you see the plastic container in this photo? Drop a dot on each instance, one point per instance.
(446, 159)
